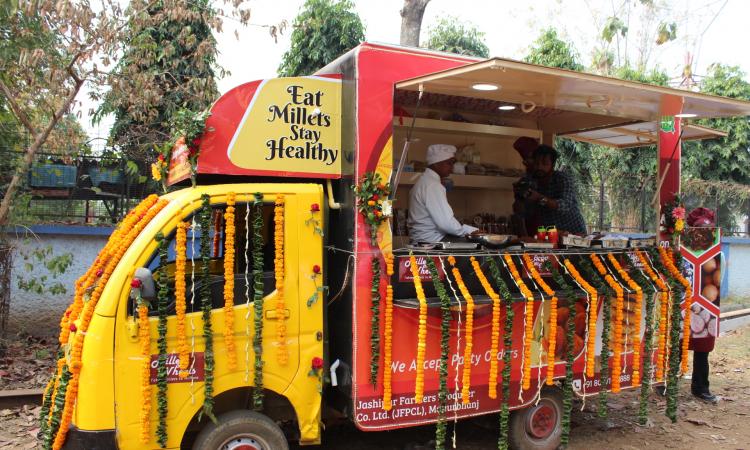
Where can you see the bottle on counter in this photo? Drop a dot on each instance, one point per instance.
(552, 234)
(541, 234)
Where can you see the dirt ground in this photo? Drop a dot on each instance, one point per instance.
(701, 426)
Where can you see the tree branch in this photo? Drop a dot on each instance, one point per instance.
(39, 140)
(22, 117)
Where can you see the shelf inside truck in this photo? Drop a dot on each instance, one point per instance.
(467, 181)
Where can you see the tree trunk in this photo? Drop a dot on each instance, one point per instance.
(411, 21)
(39, 139)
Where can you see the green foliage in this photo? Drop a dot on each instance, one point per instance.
(323, 31)
(169, 65)
(724, 159)
(551, 51)
(613, 27)
(666, 32)
(55, 266)
(454, 36)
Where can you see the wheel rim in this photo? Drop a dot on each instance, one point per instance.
(244, 442)
(541, 420)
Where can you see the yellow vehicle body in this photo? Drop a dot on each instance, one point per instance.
(109, 396)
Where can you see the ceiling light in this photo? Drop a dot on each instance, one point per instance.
(506, 108)
(686, 115)
(485, 87)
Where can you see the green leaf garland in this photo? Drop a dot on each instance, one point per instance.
(47, 401)
(258, 300)
(648, 335)
(375, 321)
(206, 306)
(57, 408)
(673, 378)
(445, 321)
(570, 331)
(161, 370)
(502, 287)
(605, 294)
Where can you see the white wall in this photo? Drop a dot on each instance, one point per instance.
(40, 314)
(737, 261)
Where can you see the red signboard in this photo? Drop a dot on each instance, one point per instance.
(196, 368)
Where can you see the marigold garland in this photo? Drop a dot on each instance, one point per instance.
(258, 393)
(552, 333)
(495, 332)
(469, 330)
(604, 293)
(183, 350)
(144, 338)
(229, 251)
(528, 320)
(73, 368)
(86, 281)
(593, 308)
(648, 334)
(570, 332)
(619, 303)
(636, 337)
(422, 330)
(282, 351)
(674, 315)
(47, 399)
(663, 304)
(388, 335)
(161, 370)
(676, 274)
(445, 320)
(502, 442)
(375, 321)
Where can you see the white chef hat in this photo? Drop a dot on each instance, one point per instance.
(440, 152)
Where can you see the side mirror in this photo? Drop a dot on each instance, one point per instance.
(148, 291)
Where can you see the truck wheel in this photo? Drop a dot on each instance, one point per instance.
(538, 427)
(241, 430)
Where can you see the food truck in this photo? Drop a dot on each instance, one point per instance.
(279, 290)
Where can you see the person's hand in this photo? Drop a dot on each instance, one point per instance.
(534, 196)
(476, 233)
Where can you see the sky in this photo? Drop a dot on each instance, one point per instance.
(720, 26)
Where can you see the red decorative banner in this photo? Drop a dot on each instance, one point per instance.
(195, 368)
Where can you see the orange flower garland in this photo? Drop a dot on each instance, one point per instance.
(495, 334)
(663, 302)
(593, 309)
(422, 331)
(619, 301)
(84, 283)
(124, 243)
(388, 334)
(229, 233)
(469, 329)
(552, 332)
(60, 365)
(180, 249)
(144, 336)
(528, 320)
(669, 264)
(282, 352)
(638, 307)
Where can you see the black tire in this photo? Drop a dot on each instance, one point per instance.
(522, 436)
(238, 427)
